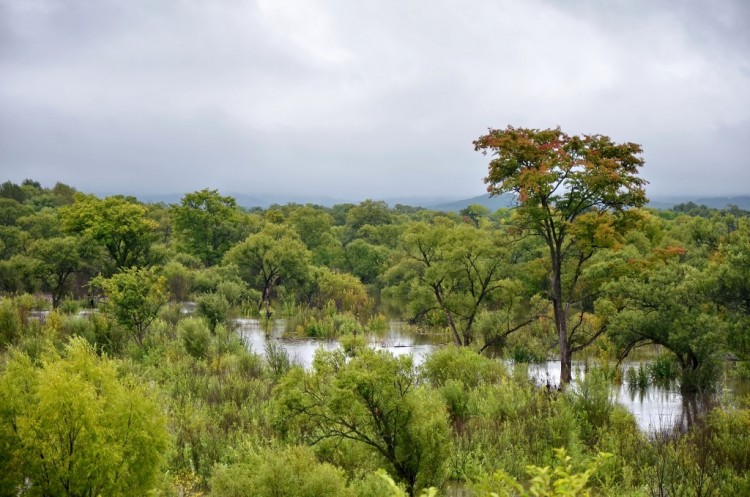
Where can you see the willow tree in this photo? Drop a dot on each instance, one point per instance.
(574, 192)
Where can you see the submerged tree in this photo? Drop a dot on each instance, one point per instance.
(572, 191)
(271, 257)
(456, 271)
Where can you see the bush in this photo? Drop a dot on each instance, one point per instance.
(591, 400)
(195, 337)
(73, 426)
(560, 480)
(461, 364)
(10, 322)
(214, 307)
(664, 369)
(291, 472)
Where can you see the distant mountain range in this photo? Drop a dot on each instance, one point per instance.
(440, 203)
(742, 201)
(663, 203)
(266, 200)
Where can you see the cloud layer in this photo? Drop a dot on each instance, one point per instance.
(363, 99)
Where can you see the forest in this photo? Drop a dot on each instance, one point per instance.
(124, 369)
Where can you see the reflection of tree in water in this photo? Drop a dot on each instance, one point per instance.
(695, 406)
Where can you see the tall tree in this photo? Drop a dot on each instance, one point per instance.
(572, 191)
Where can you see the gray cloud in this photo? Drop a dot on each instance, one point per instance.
(357, 99)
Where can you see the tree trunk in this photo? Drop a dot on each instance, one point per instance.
(561, 323)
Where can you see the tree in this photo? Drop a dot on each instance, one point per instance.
(365, 260)
(208, 224)
(344, 290)
(134, 297)
(58, 258)
(73, 426)
(572, 191)
(727, 282)
(457, 271)
(117, 223)
(664, 303)
(372, 399)
(266, 259)
(475, 213)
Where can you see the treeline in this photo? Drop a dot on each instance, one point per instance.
(136, 396)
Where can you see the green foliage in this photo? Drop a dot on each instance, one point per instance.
(58, 258)
(195, 336)
(10, 322)
(214, 308)
(269, 258)
(119, 224)
(277, 359)
(456, 271)
(179, 280)
(288, 472)
(134, 297)
(373, 399)
(591, 401)
(345, 291)
(664, 369)
(462, 365)
(74, 426)
(663, 304)
(365, 260)
(574, 193)
(560, 480)
(208, 224)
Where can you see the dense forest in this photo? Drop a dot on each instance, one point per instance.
(112, 384)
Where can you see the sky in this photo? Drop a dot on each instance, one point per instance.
(364, 99)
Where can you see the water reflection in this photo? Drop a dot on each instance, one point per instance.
(397, 341)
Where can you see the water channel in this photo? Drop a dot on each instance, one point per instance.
(655, 407)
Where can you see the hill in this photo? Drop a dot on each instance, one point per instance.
(492, 203)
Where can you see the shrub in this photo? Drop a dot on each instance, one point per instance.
(214, 307)
(195, 337)
(291, 472)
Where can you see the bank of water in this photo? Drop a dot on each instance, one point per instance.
(654, 407)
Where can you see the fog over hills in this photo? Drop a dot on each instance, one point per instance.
(438, 203)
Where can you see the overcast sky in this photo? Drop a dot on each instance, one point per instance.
(354, 99)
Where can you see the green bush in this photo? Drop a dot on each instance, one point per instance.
(559, 480)
(11, 326)
(214, 307)
(461, 364)
(591, 401)
(288, 472)
(664, 369)
(195, 336)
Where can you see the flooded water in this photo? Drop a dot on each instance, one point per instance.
(655, 407)
(301, 351)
